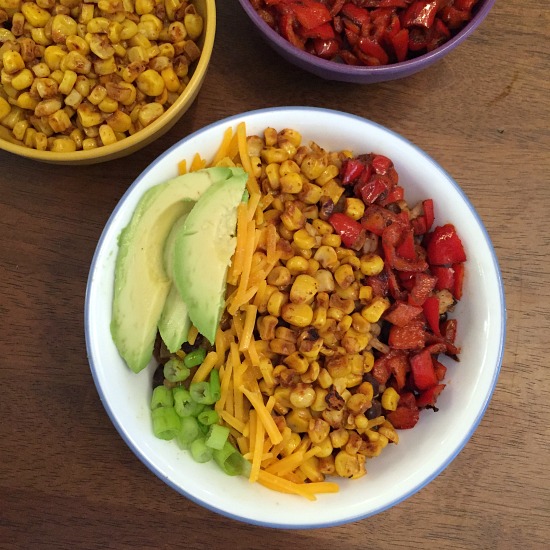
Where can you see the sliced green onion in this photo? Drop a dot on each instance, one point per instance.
(215, 387)
(246, 196)
(231, 461)
(217, 436)
(194, 358)
(166, 422)
(175, 370)
(208, 416)
(201, 393)
(184, 403)
(199, 451)
(189, 431)
(162, 397)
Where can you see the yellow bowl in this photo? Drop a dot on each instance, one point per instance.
(128, 145)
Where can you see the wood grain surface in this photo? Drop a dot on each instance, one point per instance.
(67, 479)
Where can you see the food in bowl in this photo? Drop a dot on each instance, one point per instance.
(318, 302)
(366, 32)
(401, 470)
(77, 76)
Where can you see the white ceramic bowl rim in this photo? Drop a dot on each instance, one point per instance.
(491, 265)
(344, 69)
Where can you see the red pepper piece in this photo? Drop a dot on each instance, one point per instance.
(394, 287)
(459, 281)
(381, 164)
(372, 48)
(445, 277)
(376, 219)
(418, 39)
(409, 337)
(420, 14)
(423, 287)
(464, 4)
(351, 170)
(401, 314)
(431, 312)
(326, 49)
(445, 246)
(406, 280)
(428, 207)
(422, 369)
(358, 15)
(371, 190)
(403, 418)
(440, 370)
(448, 330)
(379, 284)
(406, 248)
(400, 43)
(438, 34)
(349, 230)
(454, 18)
(324, 32)
(390, 237)
(429, 397)
(336, 7)
(396, 193)
(399, 367)
(287, 22)
(310, 14)
(381, 370)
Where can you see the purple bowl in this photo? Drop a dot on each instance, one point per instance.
(332, 70)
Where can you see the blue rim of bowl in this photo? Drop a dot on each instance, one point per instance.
(381, 71)
(458, 448)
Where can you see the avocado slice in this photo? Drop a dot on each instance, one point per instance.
(141, 282)
(174, 322)
(204, 247)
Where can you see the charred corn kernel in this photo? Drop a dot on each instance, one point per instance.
(288, 167)
(375, 309)
(286, 333)
(41, 70)
(346, 465)
(63, 145)
(149, 113)
(97, 94)
(266, 327)
(75, 61)
(89, 143)
(298, 315)
(329, 173)
(59, 121)
(40, 141)
(313, 165)
(302, 397)
(319, 317)
(150, 25)
(310, 193)
(5, 108)
(279, 276)
(365, 294)
(291, 135)
(105, 66)
(98, 25)
(62, 26)
(167, 50)
(322, 227)
(150, 83)
(12, 62)
(107, 135)
(335, 313)
(282, 397)
(77, 136)
(129, 29)
(275, 303)
(339, 437)
(372, 264)
(273, 176)
(291, 183)
(88, 116)
(297, 265)
(194, 25)
(303, 290)
(74, 99)
(318, 430)
(114, 32)
(270, 136)
(144, 6)
(298, 418)
(312, 371)
(291, 445)
(47, 107)
(83, 85)
(367, 390)
(333, 240)
(312, 266)
(325, 280)
(46, 88)
(100, 45)
(86, 13)
(360, 324)
(29, 139)
(20, 129)
(23, 79)
(108, 105)
(390, 399)
(344, 276)
(68, 82)
(324, 379)
(171, 80)
(345, 323)
(119, 121)
(297, 362)
(273, 155)
(326, 256)
(358, 403)
(34, 14)
(355, 342)
(303, 239)
(354, 208)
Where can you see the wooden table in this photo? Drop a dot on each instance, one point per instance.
(67, 479)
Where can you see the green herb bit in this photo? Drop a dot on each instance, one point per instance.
(175, 370)
(231, 461)
(201, 393)
(215, 386)
(217, 436)
(189, 431)
(162, 397)
(166, 422)
(184, 403)
(199, 451)
(208, 416)
(194, 358)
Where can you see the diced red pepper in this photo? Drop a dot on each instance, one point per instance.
(453, 17)
(287, 31)
(351, 170)
(326, 49)
(381, 164)
(428, 207)
(396, 193)
(400, 42)
(406, 248)
(423, 287)
(377, 218)
(445, 277)
(401, 314)
(445, 246)
(310, 13)
(350, 231)
(420, 14)
(378, 283)
(358, 15)
(381, 370)
(403, 418)
(324, 31)
(431, 312)
(429, 397)
(440, 370)
(371, 190)
(423, 371)
(459, 280)
(448, 330)
(372, 48)
(409, 337)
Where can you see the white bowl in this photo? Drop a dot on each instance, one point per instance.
(422, 452)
